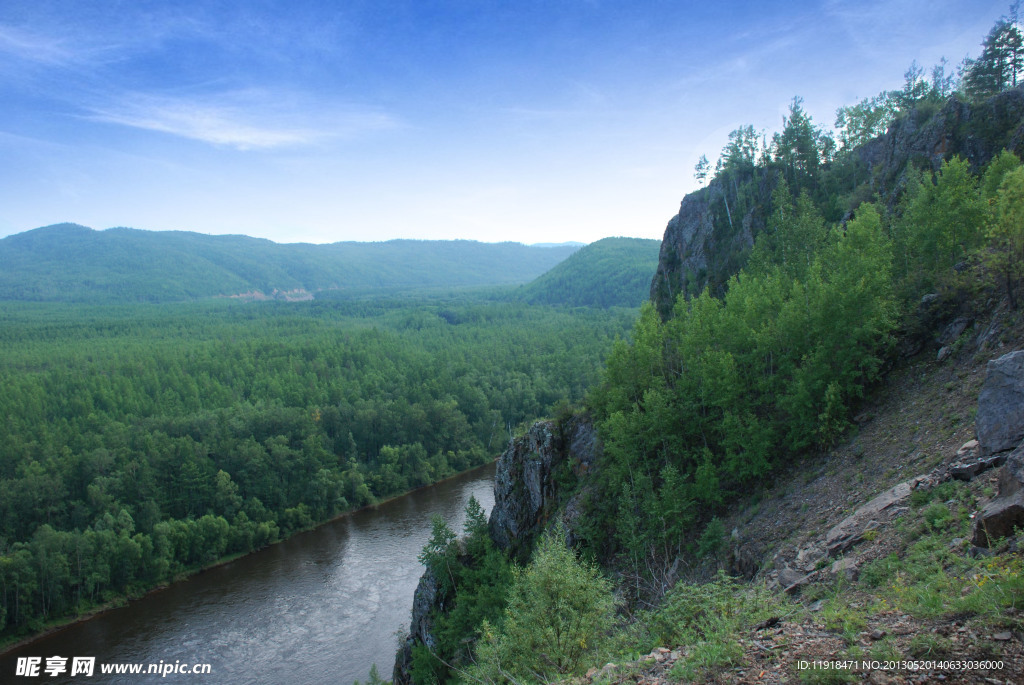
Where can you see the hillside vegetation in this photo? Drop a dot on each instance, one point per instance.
(71, 263)
(788, 290)
(607, 273)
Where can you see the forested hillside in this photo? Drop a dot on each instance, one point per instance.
(609, 272)
(141, 442)
(71, 263)
(786, 291)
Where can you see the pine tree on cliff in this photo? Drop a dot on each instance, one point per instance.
(1001, 60)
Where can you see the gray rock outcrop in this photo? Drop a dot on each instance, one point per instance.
(1000, 426)
(425, 599)
(698, 249)
(528, 496)
(850, 530)
(1000, 420)
(1001, 516)
(526, 484)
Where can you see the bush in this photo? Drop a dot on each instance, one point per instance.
(712, 538)
(560, 611)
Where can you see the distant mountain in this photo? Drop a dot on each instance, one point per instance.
(609, 272)
(72, 263)
(568, 244)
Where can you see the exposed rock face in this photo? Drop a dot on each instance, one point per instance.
(1000, 420)
(975, 131)
(705, 243)
(427, 597)
(1000, 427)
(694, 253)
(526, 485)
(527, 496)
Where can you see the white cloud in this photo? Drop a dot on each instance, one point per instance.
(245, 121)
(31, 47)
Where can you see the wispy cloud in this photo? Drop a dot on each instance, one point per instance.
(243, 121)
(32, 47)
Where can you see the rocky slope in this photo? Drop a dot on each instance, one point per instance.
(827, 530)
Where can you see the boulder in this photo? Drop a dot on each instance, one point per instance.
(1000, 516)
(790, 576)
(848, 566)
(953, 331)
(1000, 420)
(808, 557)
(792, 582)
(1011, 476)
(967, 451)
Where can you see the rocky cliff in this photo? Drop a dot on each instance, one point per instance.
(534, 477)
(706, 242)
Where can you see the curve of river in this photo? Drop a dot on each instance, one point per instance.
(321, 607)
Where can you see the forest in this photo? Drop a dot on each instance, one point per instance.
(143, 442)
(754, 364)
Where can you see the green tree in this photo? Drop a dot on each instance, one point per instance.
(560, 610)
(941, 224)
(857, 124)
(1006, 232)
(740, 153)
(1001, 60)
(700, 171)
(440, 555)
(801, 147)
(997, 169)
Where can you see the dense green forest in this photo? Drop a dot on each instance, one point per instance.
(607, 273)
(756, 367)
(140, 442)
(71, 263)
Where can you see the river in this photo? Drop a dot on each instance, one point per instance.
(321, 607)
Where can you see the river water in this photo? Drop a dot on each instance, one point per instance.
(321, 607)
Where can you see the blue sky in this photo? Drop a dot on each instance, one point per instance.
(319, 121)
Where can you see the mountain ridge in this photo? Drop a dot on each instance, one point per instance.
(73, 263)
(606, 273)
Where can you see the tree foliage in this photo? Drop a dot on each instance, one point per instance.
(559, 612)
(140, 443)
(1001, 61)
(1006, 231)
(708, 402)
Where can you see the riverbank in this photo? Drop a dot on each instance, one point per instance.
(14, 642)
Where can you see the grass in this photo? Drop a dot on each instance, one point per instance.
(929, 646)
(932, 578)
(710, 618)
